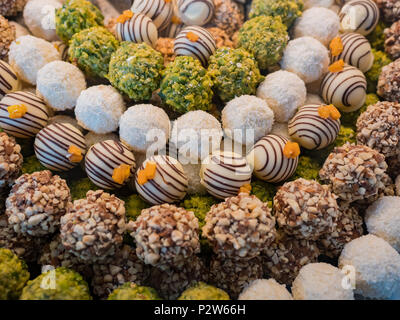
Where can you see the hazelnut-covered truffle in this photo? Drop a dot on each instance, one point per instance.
(389, 83)
(10, 160)
(7, 35)
(392, 40)
(227, 16)
(11, 7)
(390, 10)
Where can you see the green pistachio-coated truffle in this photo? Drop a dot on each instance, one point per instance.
(199, 205)
(186, 86)
(266, 38)
(349, 119)
(288, 10)
(264, 191)
(377, 37)
(79, 187)
(31, 164)
(75, 16)
(381, 60)
(203, 291)
(131, 291)
(134, 206)
(234, 73)
(13, 275)
(57, 284)
(308, 168)
(91, 50)
(135, 69)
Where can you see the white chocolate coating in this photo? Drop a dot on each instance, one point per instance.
(138, 29)
(159, 11)
(9, 81)
(195, 12)
(360, 16)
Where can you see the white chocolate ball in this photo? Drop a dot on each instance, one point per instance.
(263, 289)
(138, 29)
(159, 11)
(9, 81)
(195, 12)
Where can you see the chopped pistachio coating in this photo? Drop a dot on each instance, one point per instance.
(381, 60)
(131, 291)
(199, 205)
(203, 291)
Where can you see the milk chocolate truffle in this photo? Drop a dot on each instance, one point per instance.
(37, 202)
(354, 172)
(10, 160)
(11, 7)
(9, 81)
(389, 83)
(166, 236)
(359, 16)
(392, 40)
(390, 10)
(159, 11)
(138, 28)
(195, 12)
(93, 227)
(7, 35)
(227, 16)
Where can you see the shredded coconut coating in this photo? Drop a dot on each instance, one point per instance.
(60, 84)
(227, 16)
(99, 109)
(222, 39)
(306, 57)
(93, 228)
(320, 281)
(36, 203)
(389, 82)
(284, 92)
(166, 235)
(7, 35)
(392, 40)
(376, 265)
(166, 47)
(239, 228)
(390, 10)
(10, 160)
(11, 7)
(379, 128)
(263, 289)
(29, 54)
(305, 209)
(319, 23)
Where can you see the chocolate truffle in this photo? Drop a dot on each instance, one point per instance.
(195, 12)
(10, 160)
(227, 16)
(390, 10)
(11, 7)
(7, 35)
(9, 81)
(392, 40)
(359, 16)
(388, 83)
(138, 28)
(159, 11)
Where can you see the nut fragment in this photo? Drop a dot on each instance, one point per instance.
(10, 160)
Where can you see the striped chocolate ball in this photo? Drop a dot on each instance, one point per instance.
(268, 160)
(195, 12)
(31, 122)
(159, 11)
(52, 146)
(169, 184)
(360, 16)
(103, 158)
(224, 173)
(173, 29)
(346, 89)
(8, 79)
(138, 29)
(312, 131)
(195, 42)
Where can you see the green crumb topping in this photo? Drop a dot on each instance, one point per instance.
(13, 275)
(200, 206)
(186, 86)
(264, 191)
(346, 134)
(136, 70)
(31, 164)
(288, 10)
(349, 119)
(134, 206)
(57, 284)
(75, 16)
(381, 60)
(91, 50)
(308, 168)
(131, 291)
(234, 73)
(266, 38)
(203, 291)
(377, 37)
(79, 187)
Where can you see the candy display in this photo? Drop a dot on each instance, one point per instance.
(390, 10)
(131, 291)
(228, 16)
(195, 12)
(288, 10)
(136, 27)
(359, 16)
(388, 87)
(159, 11)
(203, 291)
(8, 35)
(263, 289)
(10, 160)
(8, 79)
(380, 60)
(392, 41)
(11, 7)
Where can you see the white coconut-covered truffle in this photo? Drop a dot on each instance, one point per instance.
(247, 119)
(284, 92)
(320, 23)
(93, 138)
(62, 118)
(29, 54)
(39, 17)
(60, 84)
(306, 57)
(263, 289)
(143, 126)
(321, 281)
(383, 220)
(376, 265)
(318, 3)
(196, 134)
(99, 109)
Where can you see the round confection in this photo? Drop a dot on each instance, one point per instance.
(346, 89)
(284, 92)
(141, 124)
(240, 227)
(23, 114)
(388, 83)
(173, 28)
(166, 236)
(356, 52)
(354, 172)
(37, 202)
(167, 183)
(268, 159)
(195, 12)
(39, 17)
(305, 209)
(392, 40)
(195, 42)
(246, 119)
(60, 146)
(319, 23)
(9, 81)
(224, 173)
(60, 84)
(390, 10)
(313, 130)
(29, 54)
(228, 16)
(109, 164)
(320, 281)
(318, 3)
(131, 291)
(10, 160)
(8, 35)
(159, 11)
(306, 57)
(201, 290)
(93, 227)
(263, 289)
(375, 266)
(11, 7)
(383, 220)
(360, 16)
(139, 28)
(99, 109)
